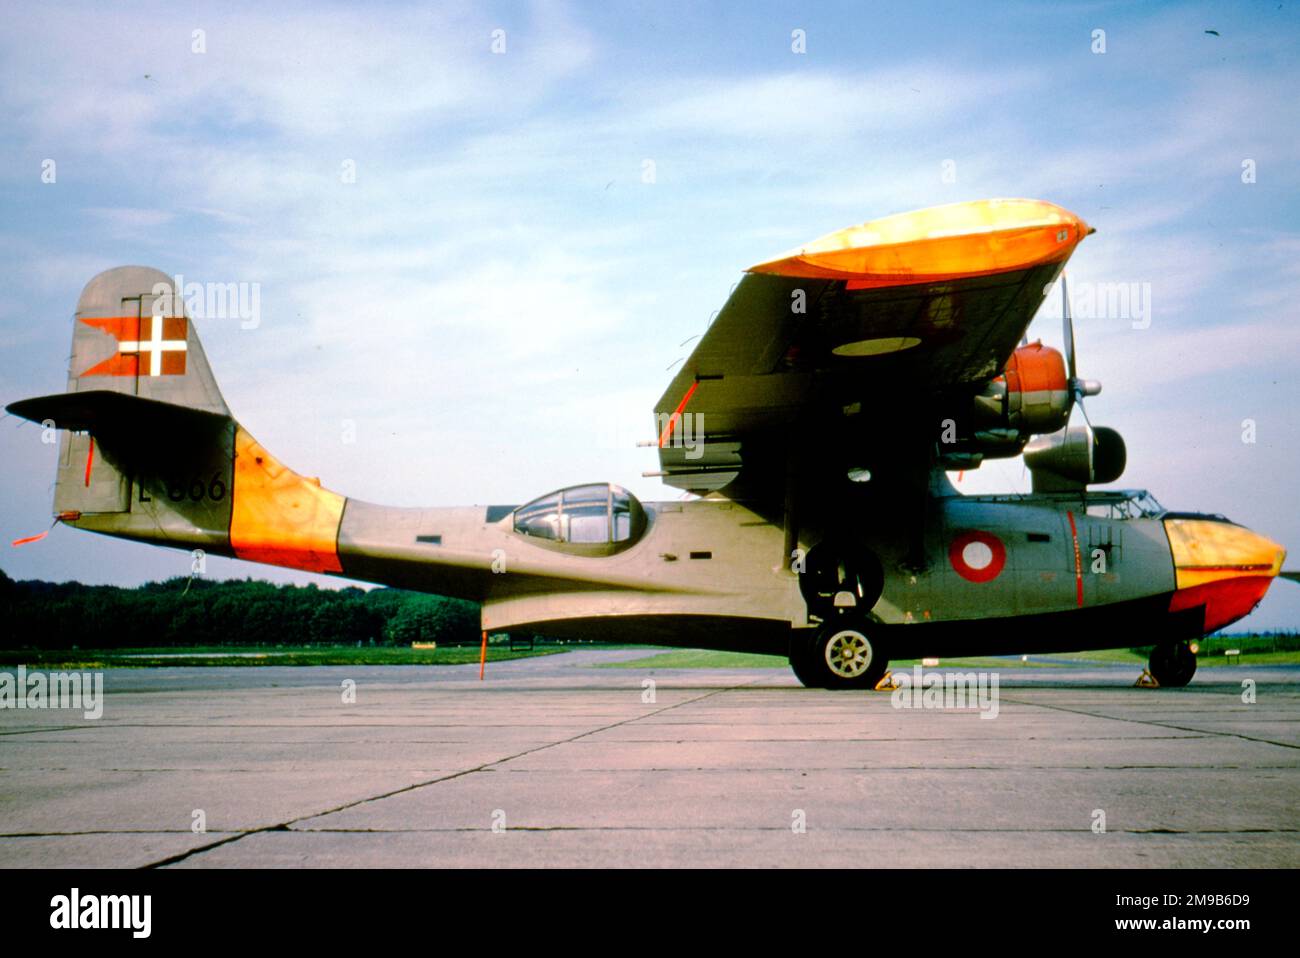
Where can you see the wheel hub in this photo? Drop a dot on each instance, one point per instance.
(848, 653)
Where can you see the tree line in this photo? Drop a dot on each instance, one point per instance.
(199, 612)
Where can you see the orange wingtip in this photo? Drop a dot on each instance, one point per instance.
(938, 244)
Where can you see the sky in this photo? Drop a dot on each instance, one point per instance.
(482, 234)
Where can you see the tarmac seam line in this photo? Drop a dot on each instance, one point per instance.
(285, 826)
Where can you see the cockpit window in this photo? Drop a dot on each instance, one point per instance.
(586, 516)
(622, 504)
(602, 516)
(540, 518)
(1131, 504)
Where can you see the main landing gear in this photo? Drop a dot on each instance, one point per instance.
(840, 584)
(842, 653)
(1172, 664)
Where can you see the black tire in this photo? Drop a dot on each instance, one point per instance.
(1172, 664)
(844, 653)
(801, 660)
(832, 568)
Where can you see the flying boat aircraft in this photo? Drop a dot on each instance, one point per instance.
(813, 425)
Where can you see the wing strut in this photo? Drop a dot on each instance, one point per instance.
(790, 514)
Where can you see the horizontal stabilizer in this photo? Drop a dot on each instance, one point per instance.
(101, 410)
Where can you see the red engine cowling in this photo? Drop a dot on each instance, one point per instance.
(1032, 396)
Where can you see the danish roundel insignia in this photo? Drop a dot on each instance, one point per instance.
(977, 556)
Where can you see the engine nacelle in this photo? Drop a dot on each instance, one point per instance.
(1072, 459)
(1032, 396)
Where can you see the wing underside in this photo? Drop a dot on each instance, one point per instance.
(854, 339)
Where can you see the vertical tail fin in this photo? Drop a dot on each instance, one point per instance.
(148, 449)
(131, 335)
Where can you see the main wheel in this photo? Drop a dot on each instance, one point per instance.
(842, 654)
(802, 662)
(1172, 664)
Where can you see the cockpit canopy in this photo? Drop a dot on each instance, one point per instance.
(596, 519)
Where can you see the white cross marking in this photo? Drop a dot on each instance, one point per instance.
(154, 345)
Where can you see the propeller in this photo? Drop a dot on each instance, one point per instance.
(1079, 388)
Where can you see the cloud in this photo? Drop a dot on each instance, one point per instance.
(797, 107)
(128, 219)
(306, 72)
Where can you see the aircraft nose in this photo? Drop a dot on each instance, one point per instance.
(1224, 567)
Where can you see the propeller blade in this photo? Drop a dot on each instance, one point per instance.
(1084, 409)
(1068, 331)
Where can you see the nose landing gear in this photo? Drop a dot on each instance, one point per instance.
(1171, 665)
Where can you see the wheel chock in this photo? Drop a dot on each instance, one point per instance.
(887, 683)
(1146, 681)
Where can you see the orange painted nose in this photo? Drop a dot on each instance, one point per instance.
(1221, 566)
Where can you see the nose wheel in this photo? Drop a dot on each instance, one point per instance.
(1172, 664)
